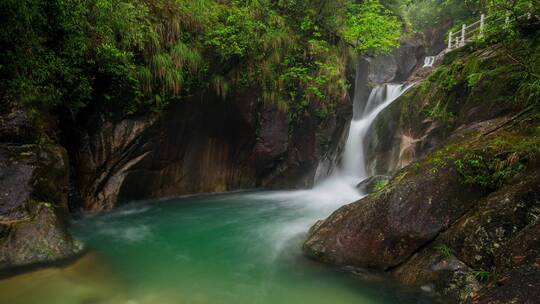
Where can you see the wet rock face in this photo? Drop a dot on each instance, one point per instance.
(397, 66)
(497, 237)
(426, 115)
(200, 144)
(105, 158)
(33, 206)
(40, 238)
(203, 144)
(518, 275)
(432, 271)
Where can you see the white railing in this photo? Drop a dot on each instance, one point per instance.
(476, 30)
(467, 33)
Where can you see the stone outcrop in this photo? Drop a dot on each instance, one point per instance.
(34, 178)
(398, 65)
(425, 116)
(204, 144)
(385, 229)
(431, 229)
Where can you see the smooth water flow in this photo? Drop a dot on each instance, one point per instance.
(239, 248)
(242, 248)
(353, 169)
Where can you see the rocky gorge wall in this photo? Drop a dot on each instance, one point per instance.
(204, 144)
(201, 144)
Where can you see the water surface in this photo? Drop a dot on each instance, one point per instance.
(232, 248)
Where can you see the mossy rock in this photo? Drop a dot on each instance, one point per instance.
(374, 183)
(40, 238)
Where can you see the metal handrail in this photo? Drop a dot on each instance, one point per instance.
(467, 31)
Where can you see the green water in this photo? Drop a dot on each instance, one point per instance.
(234, 248)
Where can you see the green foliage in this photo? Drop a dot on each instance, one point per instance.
(444, 78)
(485, 172)
(473, 72)
(529, 91)
(128, 56)
(371, 28)
(516, 8)
(444, 251)
(438, 111)
(236, 33)
(426, 14)
(473, 79)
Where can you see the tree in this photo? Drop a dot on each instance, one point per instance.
(371, 28)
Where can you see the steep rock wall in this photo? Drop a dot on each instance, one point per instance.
(204, 144)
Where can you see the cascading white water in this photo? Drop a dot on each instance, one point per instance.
(340, 187)
(429, 61)
(353, 167)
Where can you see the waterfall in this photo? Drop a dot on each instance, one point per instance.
(340, 186)
(429, 61)
(353, 167)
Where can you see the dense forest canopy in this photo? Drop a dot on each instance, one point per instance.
(133, 55)
(129, 56)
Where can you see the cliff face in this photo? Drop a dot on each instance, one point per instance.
(458, 218)
(205, 144)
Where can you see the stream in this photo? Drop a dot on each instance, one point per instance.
(235, 248)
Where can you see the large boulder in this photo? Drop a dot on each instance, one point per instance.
(398, 65)
(383, 230)
(34, 178)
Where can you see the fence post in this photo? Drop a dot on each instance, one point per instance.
(463, 35)
(482, 20)
(450, 40)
